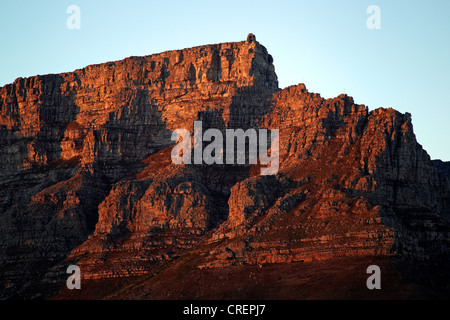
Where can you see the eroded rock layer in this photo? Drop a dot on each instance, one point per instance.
(87, 176)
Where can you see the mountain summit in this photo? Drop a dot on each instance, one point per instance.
(87, 179)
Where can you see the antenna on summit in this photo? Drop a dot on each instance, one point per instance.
(251, 38)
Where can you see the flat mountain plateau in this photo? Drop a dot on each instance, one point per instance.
(87, 179)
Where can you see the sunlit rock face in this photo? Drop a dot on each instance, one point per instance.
(87, 175)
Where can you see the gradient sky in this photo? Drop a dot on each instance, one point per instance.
(324, 44)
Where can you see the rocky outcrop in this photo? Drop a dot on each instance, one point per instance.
(88, 177)
(66, 139)
(367, 188)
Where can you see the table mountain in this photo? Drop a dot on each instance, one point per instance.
(87, 179)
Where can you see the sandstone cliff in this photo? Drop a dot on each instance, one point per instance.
(87, 176)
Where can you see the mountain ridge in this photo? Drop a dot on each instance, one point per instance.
(90, 181)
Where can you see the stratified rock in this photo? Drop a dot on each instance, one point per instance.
(88, 179)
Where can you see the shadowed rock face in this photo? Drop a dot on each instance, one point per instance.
(87, 176)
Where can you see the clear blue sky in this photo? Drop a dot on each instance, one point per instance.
(324, 44)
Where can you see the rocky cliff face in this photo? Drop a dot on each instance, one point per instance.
(87, 176)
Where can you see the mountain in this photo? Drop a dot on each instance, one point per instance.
(88, 178)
